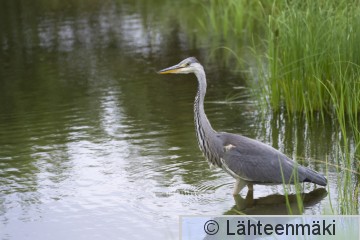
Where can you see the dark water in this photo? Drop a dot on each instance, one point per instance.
(95, 145)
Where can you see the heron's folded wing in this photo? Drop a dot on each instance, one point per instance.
(258, 162)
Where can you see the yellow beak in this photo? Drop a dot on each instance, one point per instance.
(173, 69)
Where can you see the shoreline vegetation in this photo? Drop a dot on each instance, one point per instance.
(307, 56)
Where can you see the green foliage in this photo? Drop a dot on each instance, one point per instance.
(313, 46)
(312, 56)
(314, 66)
(307, 63)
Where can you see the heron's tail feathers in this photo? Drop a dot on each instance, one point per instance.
(314, 177)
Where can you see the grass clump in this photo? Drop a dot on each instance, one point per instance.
(311, 50)
(314, 56)
(313, 63)
(310, 66)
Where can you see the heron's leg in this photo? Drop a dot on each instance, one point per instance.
(249, 200)
(239, 185)
(250, 187)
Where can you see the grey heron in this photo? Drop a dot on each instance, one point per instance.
(247, 160)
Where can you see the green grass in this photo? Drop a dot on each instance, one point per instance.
(307, 62)
(312, 56)
(313, 47)
(229, 26)
(313, 62)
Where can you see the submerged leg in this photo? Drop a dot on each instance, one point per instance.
(239, 185)
(249, 200)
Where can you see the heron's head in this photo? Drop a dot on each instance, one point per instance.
(188, 65)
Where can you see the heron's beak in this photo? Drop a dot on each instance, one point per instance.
(174, 69)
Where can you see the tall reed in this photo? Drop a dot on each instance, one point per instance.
(314, 67)
(312, 47)
(311, 65)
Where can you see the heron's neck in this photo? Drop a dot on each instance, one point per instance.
(202, 124)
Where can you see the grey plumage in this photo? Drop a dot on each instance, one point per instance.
(247, 160)
(257, 162)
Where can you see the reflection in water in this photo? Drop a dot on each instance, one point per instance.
(273, 204)
(276, 204)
